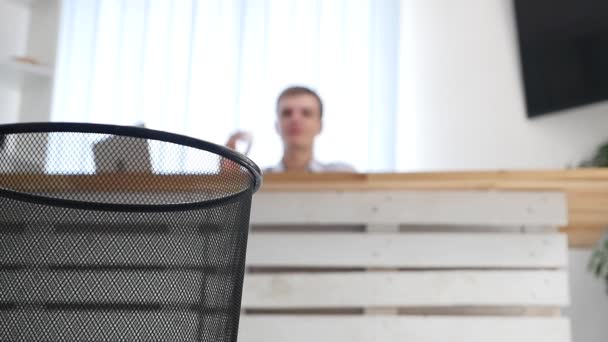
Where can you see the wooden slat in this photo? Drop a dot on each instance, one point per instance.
(291, 181)
(398, 329)
(486, 311)
(516, 179)
(455, 208)
(402, 289)
(373, 229)
(411, 250)
(584, 235)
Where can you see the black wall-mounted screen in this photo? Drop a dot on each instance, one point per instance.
(564, 53)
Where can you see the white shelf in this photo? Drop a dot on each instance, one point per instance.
(18, 71)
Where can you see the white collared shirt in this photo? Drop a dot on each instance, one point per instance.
(315, 167)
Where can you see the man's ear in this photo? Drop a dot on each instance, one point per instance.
(320, 127)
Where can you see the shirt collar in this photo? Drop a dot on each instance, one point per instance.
(314, 166)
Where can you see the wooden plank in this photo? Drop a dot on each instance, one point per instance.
(517, 311)
(374, 229)
(484, 180)
(408, 250)
(402, 289)
(382, 228)
(455, 208)
(584, 235)
(313, 182)
(487, 311)
(397, 329)
(284, 181)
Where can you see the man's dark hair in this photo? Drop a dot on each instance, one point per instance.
(299, 90)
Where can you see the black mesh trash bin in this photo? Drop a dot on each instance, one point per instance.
(112, 233)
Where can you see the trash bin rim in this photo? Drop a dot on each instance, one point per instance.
(134, 132)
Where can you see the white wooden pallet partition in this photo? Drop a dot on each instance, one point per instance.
(411, 250)
(405, 207)
(403, 289)
(402, 328)
(503, 260)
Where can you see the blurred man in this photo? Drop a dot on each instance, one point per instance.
(299, 122)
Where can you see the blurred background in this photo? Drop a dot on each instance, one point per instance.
(408, 85)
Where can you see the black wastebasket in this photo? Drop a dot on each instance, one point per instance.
(111, 233)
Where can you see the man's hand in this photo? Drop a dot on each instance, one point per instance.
(240, 137)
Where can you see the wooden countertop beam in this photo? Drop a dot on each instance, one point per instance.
(586, 189)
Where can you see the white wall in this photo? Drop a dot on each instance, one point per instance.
(462, 107)
(41, 43)
(14, 20)
(30, 31)
(463, 100)
(589, 309)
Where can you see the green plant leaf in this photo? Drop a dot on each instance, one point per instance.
(598, 264)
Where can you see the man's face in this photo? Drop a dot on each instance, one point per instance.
(299, 120)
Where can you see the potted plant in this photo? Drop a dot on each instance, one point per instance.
(599, 159)
(598, 264)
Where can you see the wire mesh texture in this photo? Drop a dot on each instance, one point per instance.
(111, 233)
